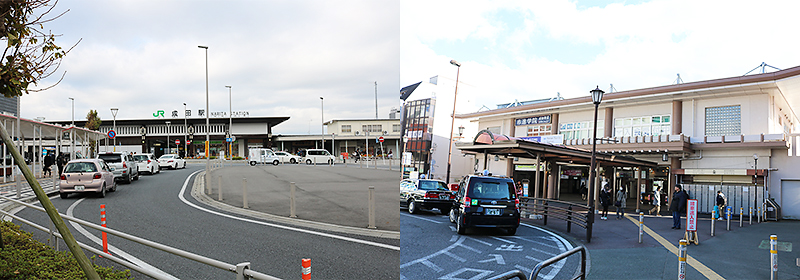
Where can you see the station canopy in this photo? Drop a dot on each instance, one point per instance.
(486, 142)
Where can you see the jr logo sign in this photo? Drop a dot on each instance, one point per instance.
(159, 113)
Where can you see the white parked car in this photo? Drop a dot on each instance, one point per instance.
(262, 156)
(147, 163)
(287, 157)
(171, 161)
(318, 156)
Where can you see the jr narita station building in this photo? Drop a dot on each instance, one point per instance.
(735, 135)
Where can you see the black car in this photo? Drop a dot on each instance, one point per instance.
(425, 194)
(485, 202)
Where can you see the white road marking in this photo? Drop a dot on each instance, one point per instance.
(354, 240)
(503, 240)
(496, 258)
(111, 248)
(421, 218)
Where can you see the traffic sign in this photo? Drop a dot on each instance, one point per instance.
(228, 139)
(189, 142)
(112, 134)
(177, 141)
(380, 139)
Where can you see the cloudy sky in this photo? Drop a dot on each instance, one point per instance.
(527, 50)
(279, 57)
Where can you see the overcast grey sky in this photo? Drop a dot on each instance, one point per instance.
(278, 56)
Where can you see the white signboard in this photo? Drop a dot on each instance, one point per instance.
(407, 158)
(691, 215)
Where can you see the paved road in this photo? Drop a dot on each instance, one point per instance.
(433, 250)
(152, 208)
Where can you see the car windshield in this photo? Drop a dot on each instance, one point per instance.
(432, 186)
(79, 167)
(491, 189)
(111, 157)
(166, 157)
(140, 157)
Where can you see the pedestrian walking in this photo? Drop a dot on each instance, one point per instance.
(720, 205)
(656, 202)
(677, 205)
(605, 201)
(61, 161)
(620, 203)
(48, 163)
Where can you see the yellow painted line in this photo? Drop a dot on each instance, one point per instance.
(707, 272)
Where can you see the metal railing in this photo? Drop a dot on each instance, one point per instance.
(535, 272)
(241, 270)
(572, 213)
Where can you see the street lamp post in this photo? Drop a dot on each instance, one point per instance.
(185, 132)
(597, 96)
(167, 149)
(452, 123)
(114, 127)
(230, 124)
(71, 131)
(322, 125)
(208, 135)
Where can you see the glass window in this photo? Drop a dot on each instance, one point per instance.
(725, 120)
(346, 128)
(642, 126)
(580, 130)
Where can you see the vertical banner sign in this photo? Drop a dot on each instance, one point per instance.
(691, 215)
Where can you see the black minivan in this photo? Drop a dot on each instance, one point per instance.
(488, 202)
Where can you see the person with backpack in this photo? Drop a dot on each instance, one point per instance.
(678, 205)
(620, 203)
(720, 205)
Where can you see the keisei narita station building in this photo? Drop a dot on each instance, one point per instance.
(735, 135)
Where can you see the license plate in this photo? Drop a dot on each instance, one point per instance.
(492, 212)
(444, 196)
(79, 187)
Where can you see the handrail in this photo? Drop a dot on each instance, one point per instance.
(178, 252)
(563, 210)
(541, 265)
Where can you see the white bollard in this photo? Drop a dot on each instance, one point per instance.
(773, 252)
(292, 187)
(741, 211)
(641, 226)
(750, 216)
(371, 208)
(244, 193)
(713, 221)
(682, 260)
(219, 184)
(728, 215)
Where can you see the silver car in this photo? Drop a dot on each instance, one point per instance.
(87, 175)
(125, 168)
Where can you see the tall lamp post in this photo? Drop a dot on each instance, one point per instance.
(71, 132)
(322, 125)
(208, 135)
(597, 96)
(230, 119)
(114, 127)
(185, 132)
(452, 123)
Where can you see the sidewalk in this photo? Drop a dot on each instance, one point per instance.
(9, 189)
(615, 252)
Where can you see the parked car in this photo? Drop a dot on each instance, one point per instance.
(485, 202)
(261, 155)
(171, 161)
(318, 156)
(87, 175)
(425, 194)
(125, 168)
(287, 157)
(147, 163)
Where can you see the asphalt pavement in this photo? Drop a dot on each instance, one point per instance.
(738, 253)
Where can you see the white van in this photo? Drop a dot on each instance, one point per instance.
(318, 156)
(263, 156)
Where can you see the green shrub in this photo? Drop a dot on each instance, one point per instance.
(212, 157)
(26, 258)
(238, 158)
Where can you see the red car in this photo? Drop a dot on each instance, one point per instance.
(87, 175)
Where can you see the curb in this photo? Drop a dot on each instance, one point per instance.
(198, 194)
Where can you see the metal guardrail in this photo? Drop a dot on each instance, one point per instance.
(572, 213)
(535, 272)
(242, 270)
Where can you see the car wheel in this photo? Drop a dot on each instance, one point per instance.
(128, 179)
(412, 207)
(252, 163)
(136, 178)
(64, 195)
(444, 211)
(275, 162)
(460, 229)
(103, 191)
(511, 231)
(452, 215)
(114, 186)
(292, 161)
(308, 162)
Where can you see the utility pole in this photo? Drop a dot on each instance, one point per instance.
(376, 99)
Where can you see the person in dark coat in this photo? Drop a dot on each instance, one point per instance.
(48, 163)
(605, 201)
(678, 205)
(61, 161)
